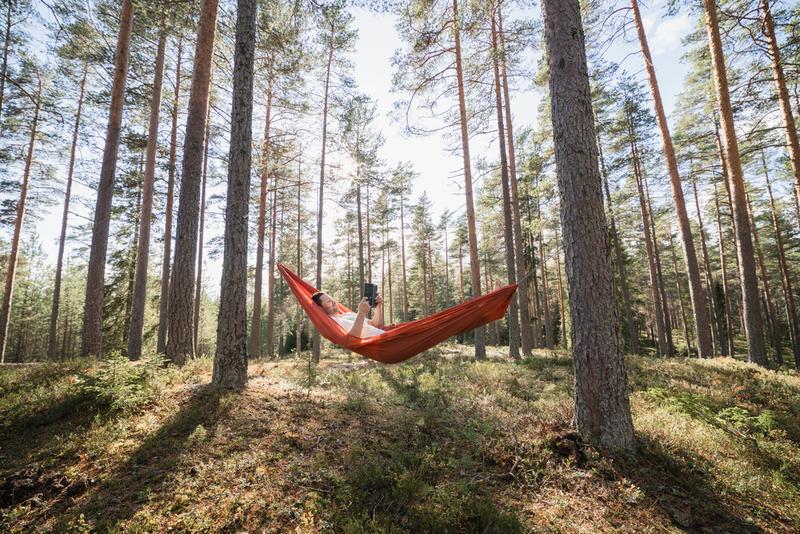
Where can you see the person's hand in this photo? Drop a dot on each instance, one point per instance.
(363, 306)
(378, 299)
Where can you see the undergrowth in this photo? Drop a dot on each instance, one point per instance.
(441, 443)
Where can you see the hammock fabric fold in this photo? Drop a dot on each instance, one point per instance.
(404, 340)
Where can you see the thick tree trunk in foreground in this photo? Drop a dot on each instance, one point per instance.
(696, 293)
(753, 326)
(792, 142)
(230, 361)
(180, 344)
(91, 340)
(519, 240)
(602, 408)
(508, 227)
(148, 186)
(166, 258)
(11, 269)
(255, 332)
(51, 339)
(475, 270)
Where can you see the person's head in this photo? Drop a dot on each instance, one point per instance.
(326, 302)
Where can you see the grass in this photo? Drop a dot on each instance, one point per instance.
(441, 443)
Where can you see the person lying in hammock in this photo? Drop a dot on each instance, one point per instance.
(355, 324)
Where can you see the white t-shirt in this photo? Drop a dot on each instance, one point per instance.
(347, 320)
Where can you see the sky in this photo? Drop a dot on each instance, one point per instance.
(439, 170)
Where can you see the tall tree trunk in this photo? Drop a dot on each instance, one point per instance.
(658, 310)
(727, 344)
(602, 408)
(271, 270)
(4, 66)
(792, 143)
(51, 339)
(696, 293)
(679, 292)
(369, 241)
(198, 284)
(786, 279)
(91, 341)
(361, 275)
(519, 240)
(716, 334)
(480, 345)
(11, 269)
(166, 258)
(230, 361)
(180, 344)
(548, 317)
(772, 315)
(148, 186)
(753, 327)
(633, 337)
(536, 315)
(446, 270)
(562, 312)
(255, 332)
(662, 289)
(508, 227)
(132, 255)
(316, 340)
(299, 317)
(403, 257)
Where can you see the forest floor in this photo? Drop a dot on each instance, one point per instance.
(441, 443)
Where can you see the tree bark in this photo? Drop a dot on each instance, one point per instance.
(716, 334)
(679, 292)
(633, 336)
(727, 347)
(786, 279)
(255, 333)
(11, 269)
(753, 327)
(4, 66)
(696, 293)
(403, 256)
(230, 361)
(180, 344)
(662, 289)
(772, 314)
(166, 258)
(480, 344)
(148, 186)
(271, 270)
(658, 310)
(519, 240)
(91, 341)
(198, 284)
(51, 339)
(508, 226)
(315, 342)
(602, 408)
(792, 142)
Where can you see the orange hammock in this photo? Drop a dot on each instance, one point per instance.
(404, 340)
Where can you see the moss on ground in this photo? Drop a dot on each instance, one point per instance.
(441, 443)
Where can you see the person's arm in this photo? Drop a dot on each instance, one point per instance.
(377, 321)
(358, 325)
